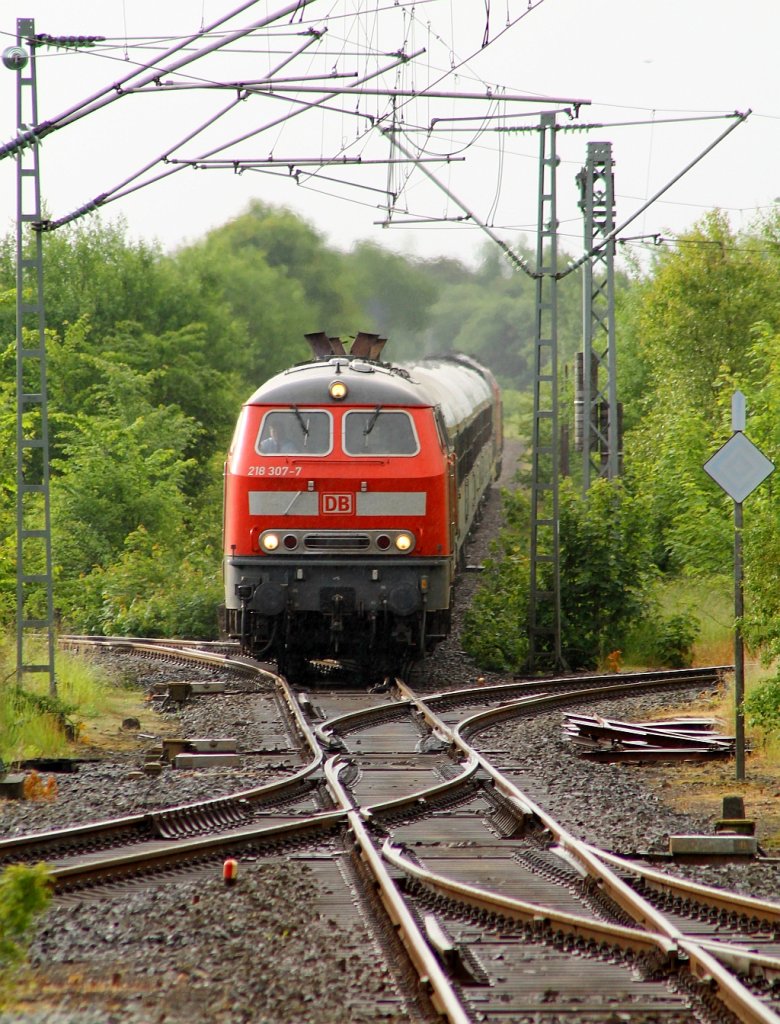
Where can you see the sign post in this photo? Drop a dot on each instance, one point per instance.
(738, 467)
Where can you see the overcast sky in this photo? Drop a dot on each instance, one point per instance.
(671, 66)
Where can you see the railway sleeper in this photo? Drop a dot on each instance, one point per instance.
(711, 1007)
(672, 902)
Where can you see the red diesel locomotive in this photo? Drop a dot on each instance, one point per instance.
(350, 488)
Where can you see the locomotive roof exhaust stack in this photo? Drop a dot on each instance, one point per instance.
(365, 345)
(324, 347)
(321, 345)
(376, 348)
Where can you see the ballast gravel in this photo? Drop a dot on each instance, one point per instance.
(111, 788)
(193, 950)
(196, 951)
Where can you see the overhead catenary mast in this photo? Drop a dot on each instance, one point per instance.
(597, 413)
(34, 588)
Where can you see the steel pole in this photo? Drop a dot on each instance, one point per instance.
(739, 650)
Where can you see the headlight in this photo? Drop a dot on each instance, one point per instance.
(404, 541)
(269, 542)
(337, 390)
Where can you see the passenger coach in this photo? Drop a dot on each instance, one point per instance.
(350, 488)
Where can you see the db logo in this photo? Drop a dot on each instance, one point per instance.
(338, 504)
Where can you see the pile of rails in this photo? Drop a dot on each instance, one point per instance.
(677, 739)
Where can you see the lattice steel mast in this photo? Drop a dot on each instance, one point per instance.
(34, 589)
(545, 589)
(597, 428)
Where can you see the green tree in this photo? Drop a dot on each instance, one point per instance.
(606, 570)
(687, 517)
(94, 270)
(279, 281)
(121, 464)
(297, 252)
(395, 295)
(693, 315)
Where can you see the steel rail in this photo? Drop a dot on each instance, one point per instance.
(473, 695)
(174, 854)
(718, 898)
(157, 824)
(428, 969)
(703, 965)
(631, 682)
(163, 822)
(355, 719)
(170, 852)
(635, 680)
(79, 640)
(741, 959)
(424, 796)
(160, 650)
(589, 929)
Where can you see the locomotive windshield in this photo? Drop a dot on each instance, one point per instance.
(379, 432)
(295, 432)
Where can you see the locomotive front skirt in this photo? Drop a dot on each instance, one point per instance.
(350, 488)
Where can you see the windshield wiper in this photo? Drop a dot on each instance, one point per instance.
(304, 426)
(372, 422)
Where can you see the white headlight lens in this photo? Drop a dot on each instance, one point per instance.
(270, 541)
(404, 541)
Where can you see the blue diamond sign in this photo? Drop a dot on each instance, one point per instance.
(738, 467)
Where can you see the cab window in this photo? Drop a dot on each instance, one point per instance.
(379, 432)
(295, 432)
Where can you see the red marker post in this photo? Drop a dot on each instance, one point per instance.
(230, 871)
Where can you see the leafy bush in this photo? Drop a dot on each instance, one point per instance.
(762, 705)
(25, 892)
(494, 628)
(606, 571)
(664, 641)
(154, 590)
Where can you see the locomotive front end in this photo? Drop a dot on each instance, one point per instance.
(338, 518)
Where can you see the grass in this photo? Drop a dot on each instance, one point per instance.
(700, 787)
(88, 709)
(712, 602)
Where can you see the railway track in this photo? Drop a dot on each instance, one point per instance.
(504, 914)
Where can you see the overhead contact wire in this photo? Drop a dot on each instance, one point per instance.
(109, 197)
(113, 92)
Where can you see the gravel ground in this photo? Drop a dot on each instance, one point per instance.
(194, 951)
(576, 792)
(110, 788)
(151, 954)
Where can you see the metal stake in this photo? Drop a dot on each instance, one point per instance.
(739, 649)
